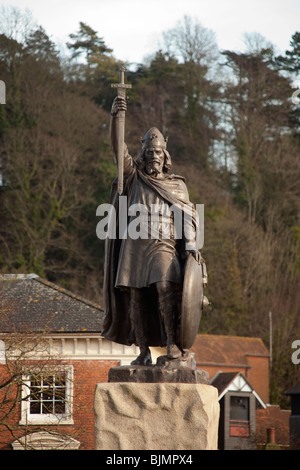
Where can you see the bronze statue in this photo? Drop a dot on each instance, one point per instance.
(144, 275)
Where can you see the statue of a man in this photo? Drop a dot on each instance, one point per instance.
(143, 276)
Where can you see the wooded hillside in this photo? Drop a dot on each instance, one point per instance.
(233, 132)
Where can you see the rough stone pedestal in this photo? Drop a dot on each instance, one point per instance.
(156, 416)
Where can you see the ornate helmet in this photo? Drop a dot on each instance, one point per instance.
(154, 138)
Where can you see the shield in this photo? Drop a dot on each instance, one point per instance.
(192, 302)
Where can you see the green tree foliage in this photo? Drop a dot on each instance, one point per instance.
(260, 134)
(291, 61)
(86, 41)
(52, 150)
(99, 69)
(263, 134)
(233, 133)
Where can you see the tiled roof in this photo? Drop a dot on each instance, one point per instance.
(219, 349)
(29, 303)
(222, 380)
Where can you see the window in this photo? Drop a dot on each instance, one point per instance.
(47, 397)
(2, 352)
(239, 416)
(48, 394)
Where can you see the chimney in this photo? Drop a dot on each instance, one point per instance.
(271, 436)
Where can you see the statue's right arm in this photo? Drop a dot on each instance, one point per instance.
(119, 104)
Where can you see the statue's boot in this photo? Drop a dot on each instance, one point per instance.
(173, 351)
(168, 311)
(138, 327)
(144, 358)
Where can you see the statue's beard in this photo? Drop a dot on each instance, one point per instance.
(153, 168)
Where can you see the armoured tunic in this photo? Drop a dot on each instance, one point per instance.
(152, 257)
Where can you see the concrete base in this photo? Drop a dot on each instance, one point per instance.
(156, 416)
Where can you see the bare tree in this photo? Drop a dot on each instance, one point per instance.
(34, 381)
(16, 24)
(189, 41)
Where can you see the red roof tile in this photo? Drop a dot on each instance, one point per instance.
(230, 350)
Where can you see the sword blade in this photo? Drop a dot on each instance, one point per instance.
(121, 135)
(121, 87)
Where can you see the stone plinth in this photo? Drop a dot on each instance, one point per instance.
(165, 370)
(156, 416)
(157, 374)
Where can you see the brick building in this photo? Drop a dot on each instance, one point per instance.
(216, 353)
(239, 368)
(65, 356)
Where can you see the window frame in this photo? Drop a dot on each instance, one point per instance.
(239, 427)
(47, 418)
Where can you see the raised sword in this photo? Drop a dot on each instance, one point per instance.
(121, 87)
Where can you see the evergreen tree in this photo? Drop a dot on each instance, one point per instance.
(291, 61)
(86, 41)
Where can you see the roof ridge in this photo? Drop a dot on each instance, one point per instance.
(36, 277)
(231, 336)
(66, 292)
(10, 277)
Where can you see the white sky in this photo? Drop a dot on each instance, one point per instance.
(132, 28)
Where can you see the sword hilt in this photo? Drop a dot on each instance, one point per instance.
(122, 86)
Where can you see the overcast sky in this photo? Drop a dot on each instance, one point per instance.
(132, 28)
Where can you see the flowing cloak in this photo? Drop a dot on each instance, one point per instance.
(117, 325)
